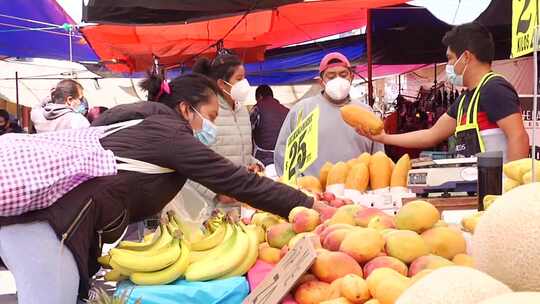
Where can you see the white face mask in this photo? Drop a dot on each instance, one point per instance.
(239, 91)
(338, 88)
(451, 74)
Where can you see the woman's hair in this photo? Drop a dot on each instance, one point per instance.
(64, 89)
(95, 112)
(222, 67)
(194, 89)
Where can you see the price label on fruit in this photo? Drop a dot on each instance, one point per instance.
(302, 146)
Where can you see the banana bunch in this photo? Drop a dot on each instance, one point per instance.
(234, 255)
(469, 223)
(155, 261)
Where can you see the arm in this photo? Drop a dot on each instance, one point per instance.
(443, 128)
(516, 136)
(279, 150)
(195, 161)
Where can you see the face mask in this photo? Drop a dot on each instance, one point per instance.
(208, 134)
(451, 75)
(239, 91)
(80, 109)
(338, 88)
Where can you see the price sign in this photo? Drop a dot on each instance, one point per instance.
(302, 146)
(524, 21)
(285, 275)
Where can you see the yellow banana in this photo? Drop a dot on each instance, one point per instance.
(160, 244)
(150, 236)
(212, 240)
(166, 275)
(146, 244)
(123, 271)
(104, 261)
(250, 256)
(115, 276)
(139, 263)
(190, 231)
(199, 255)
(224, 260)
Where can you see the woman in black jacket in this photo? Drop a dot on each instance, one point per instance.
(98, 210)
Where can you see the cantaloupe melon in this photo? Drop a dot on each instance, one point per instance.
(515, 298)
(453, 285)
(506, 241)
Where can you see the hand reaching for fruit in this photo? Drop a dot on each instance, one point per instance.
(224, 199)
(326, 211)
(255, 168)
(378, 138)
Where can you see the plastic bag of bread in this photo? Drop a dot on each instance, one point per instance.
(310, 183)
(335, 181)
(398, 180)
(323, 173)
(380, 172)
(360, 118)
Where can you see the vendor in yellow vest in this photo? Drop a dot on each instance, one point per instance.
(487, 116)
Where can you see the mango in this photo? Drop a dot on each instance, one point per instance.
(333, 239)
(279, 235)
(389, 290)
(363, 244)
(406, 245)
(379, 275)
(296, 210)
(428, 262)
(364, 216)
(315, 239)
(312, 292)
(463, 260)
(417, 216)
(345, 215)
(381, 222)
(269, 254)
(332, 228)
(340, 300)
(385, 262)
(329, 266)
(445, 241)
(305, 220)
(355, 289)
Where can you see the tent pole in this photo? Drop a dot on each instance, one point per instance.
(435, 74)
(17, 92)
(369, 59)
(535, 104)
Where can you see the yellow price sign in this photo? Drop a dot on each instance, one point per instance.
(524, 21)
(302, 147)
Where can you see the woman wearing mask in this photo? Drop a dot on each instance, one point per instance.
(65, 109)
(65, 238)
(231, 137)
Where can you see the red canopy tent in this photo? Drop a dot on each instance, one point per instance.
(133, 46)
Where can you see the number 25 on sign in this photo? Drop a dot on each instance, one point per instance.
(302, 146)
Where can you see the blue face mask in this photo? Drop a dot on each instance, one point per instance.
(81, 108)
(208, 134)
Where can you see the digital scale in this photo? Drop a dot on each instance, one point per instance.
(443, 176)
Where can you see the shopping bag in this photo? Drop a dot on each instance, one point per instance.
(227, 291)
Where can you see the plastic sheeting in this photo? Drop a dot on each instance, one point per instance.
(18, 40)
(227, 291)
(134, 46)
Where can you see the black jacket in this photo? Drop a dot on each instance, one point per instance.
(97, 211)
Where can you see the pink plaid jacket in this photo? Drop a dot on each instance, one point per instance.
(36, 170)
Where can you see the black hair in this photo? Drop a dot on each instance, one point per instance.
(472, 37)
(194, 89)
(64, 89)
(5, 115)
(222, 67)
(263, 91)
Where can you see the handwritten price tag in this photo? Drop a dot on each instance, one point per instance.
(302, 147)
(286, 273)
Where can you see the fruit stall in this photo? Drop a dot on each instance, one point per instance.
(376, 243)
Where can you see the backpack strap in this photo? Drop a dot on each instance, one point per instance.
(134, 165)
(120, 126)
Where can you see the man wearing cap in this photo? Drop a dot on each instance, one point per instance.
(337, 141)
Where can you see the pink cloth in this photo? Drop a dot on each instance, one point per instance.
(256, 275)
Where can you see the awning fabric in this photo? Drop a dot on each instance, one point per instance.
(134, 46)
(169, 11)
(19, 37)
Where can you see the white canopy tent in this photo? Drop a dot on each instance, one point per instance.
(37, 78)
